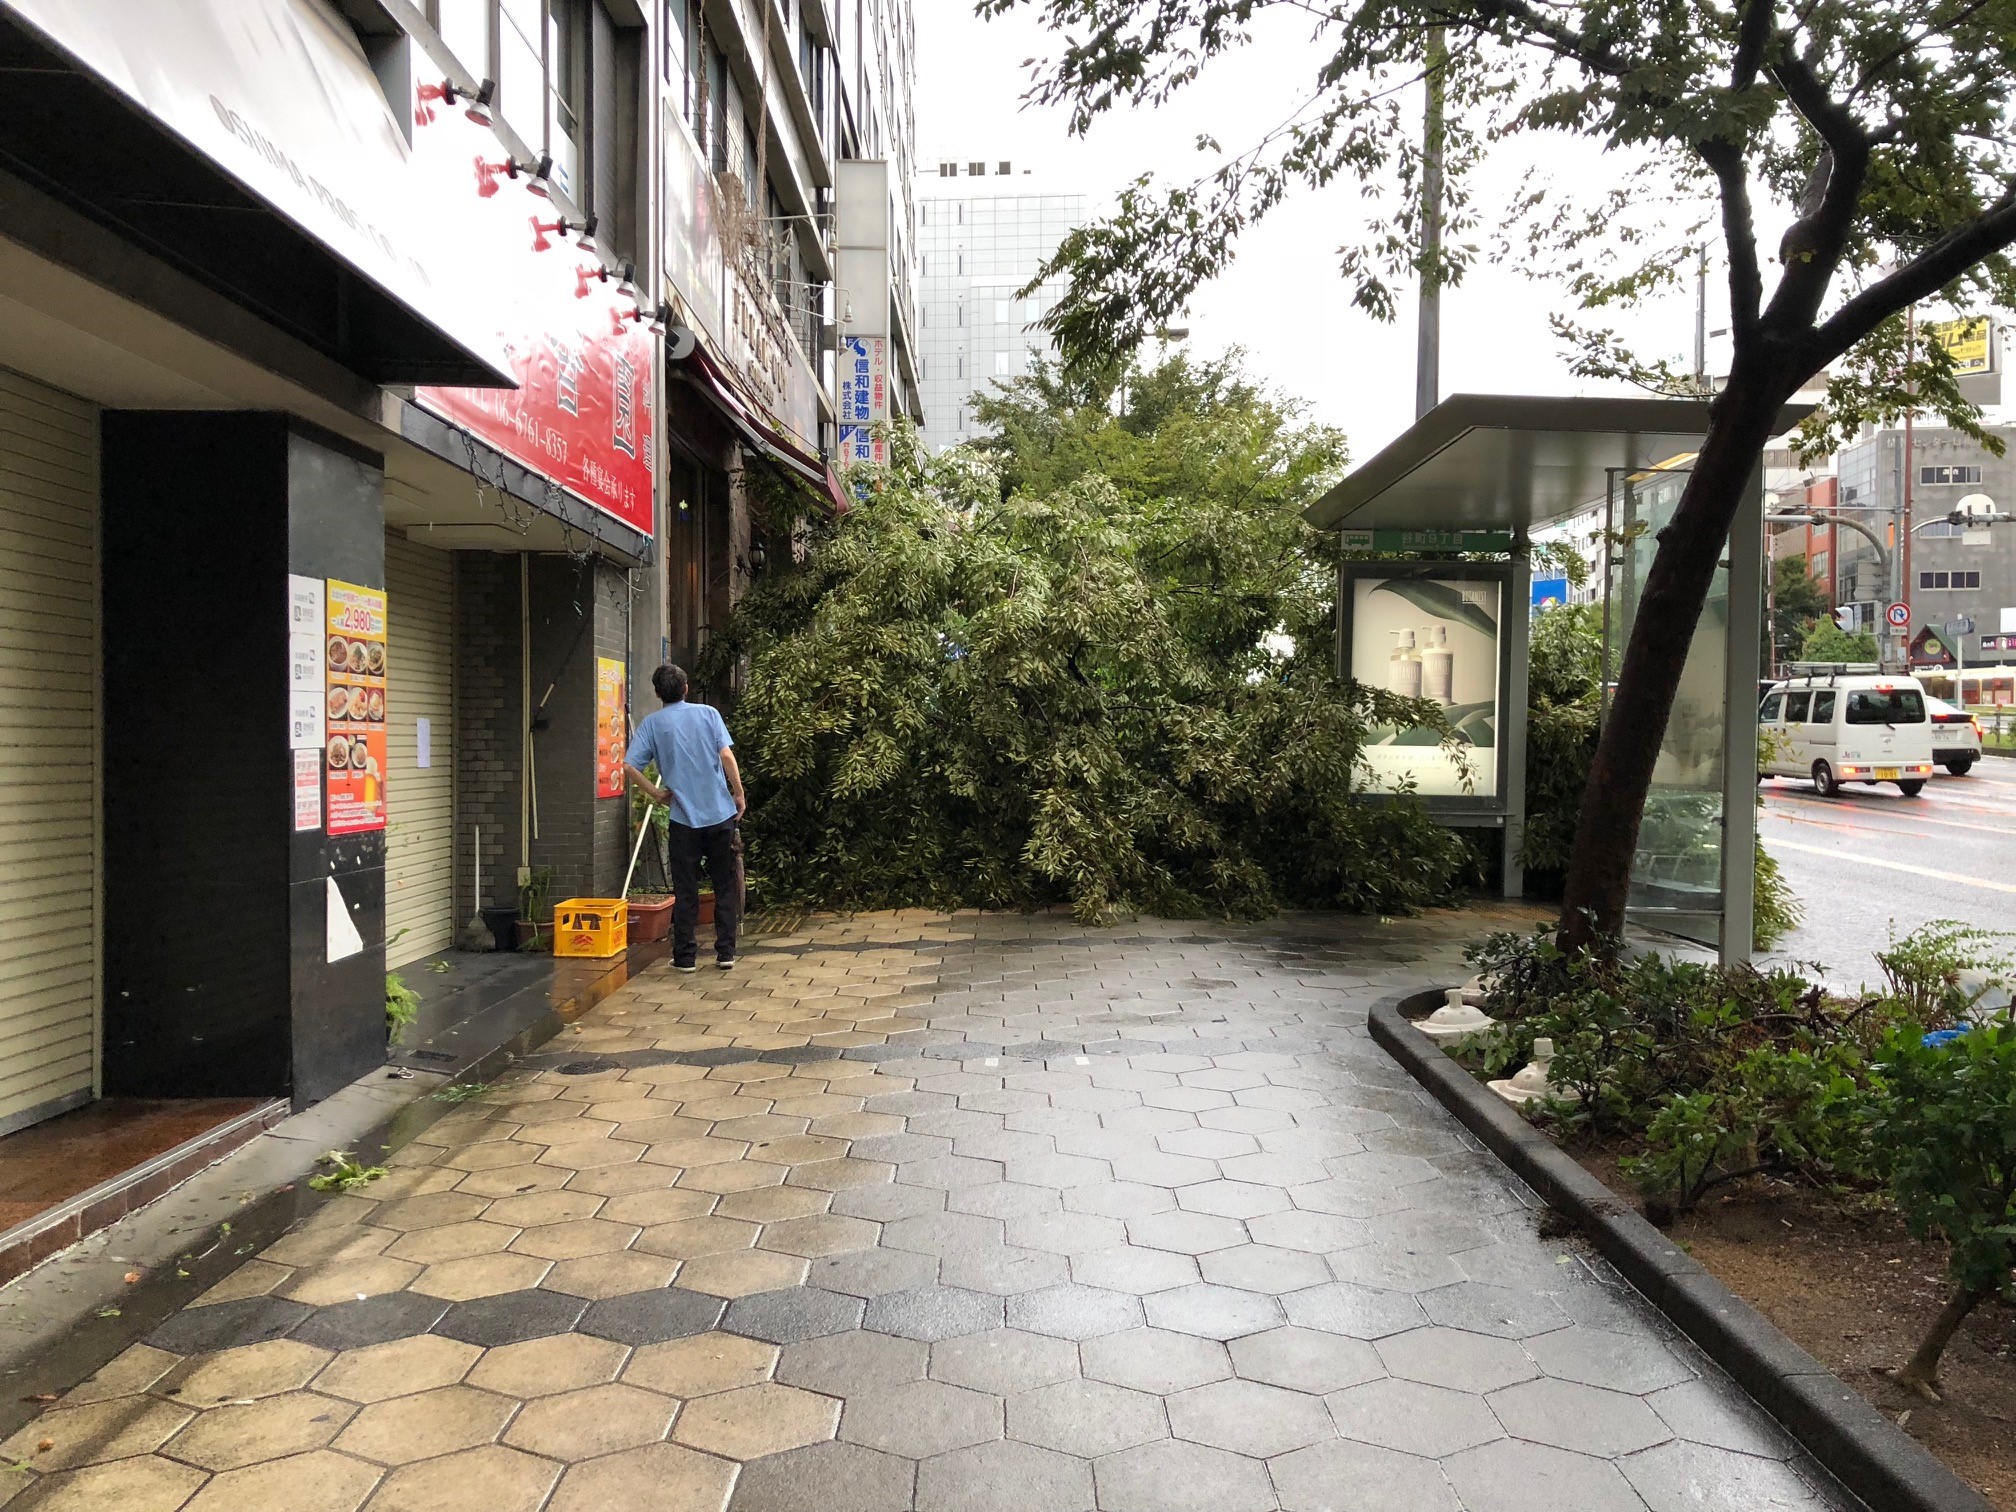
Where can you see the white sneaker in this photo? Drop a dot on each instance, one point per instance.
(727, 965)
(687, 969)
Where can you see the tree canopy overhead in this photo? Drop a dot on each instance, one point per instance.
(1875, 131)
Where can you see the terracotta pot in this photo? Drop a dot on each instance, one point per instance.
(650, 919)
(534, 930)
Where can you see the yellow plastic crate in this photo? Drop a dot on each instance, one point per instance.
(591, 927)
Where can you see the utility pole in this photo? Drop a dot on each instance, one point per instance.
(1428, 344)
(1701, 319)
(1902, 556)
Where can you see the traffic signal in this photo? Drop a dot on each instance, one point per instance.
(1844, 616)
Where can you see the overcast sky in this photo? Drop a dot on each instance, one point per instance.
(1283, 299)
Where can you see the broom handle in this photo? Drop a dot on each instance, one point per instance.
(637, 849)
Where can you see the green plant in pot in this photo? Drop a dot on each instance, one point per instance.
(535, 910)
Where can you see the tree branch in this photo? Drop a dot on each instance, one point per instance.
(1925, 275)
(1812, 247)
(1753, 32)
(1739, 233)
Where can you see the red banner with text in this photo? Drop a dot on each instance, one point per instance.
(573, 336)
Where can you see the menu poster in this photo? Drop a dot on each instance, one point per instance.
(307, 791)
(610, 739)
(354, 750)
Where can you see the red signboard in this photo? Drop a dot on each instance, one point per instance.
(583, 359)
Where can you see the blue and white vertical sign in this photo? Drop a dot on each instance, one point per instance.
(863, 398)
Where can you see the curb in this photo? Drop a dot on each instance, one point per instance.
(1874, 1459)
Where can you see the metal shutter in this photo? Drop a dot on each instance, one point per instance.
(49, 938)
(420, 802)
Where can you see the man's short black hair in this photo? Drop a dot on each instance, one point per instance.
(670, 683)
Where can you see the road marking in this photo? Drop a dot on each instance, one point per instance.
(1916, 871)
(1912, 822)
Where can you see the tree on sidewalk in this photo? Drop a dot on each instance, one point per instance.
(1798, 600)
(1876, 128)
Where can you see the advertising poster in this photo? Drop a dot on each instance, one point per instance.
(863, 381)
(611, 738)
(1433, 638)
(354, 748)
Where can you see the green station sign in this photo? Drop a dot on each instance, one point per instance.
(1384, 539)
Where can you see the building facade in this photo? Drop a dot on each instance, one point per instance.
(1947, 573)
(983, 235)
(385, 391)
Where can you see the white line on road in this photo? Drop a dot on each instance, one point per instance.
(1916, 871)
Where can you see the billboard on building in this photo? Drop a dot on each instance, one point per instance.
(863, 398)
(1970, 343)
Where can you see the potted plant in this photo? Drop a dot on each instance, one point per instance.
(650, 915)
(534, 911)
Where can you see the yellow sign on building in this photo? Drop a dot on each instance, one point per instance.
(1969, 342)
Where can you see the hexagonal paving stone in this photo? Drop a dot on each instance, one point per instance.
(1506, 1311)
(317, 1481)
(921, 1418)
(226, 1438)
(663, 1477)
(1004, 1477)
(1264, 1268)
(1074, 1312)
(1065, 1233)
(1139, 1271)
(1004, 1361)
(1186, 1233)
(743, 1273)
(652, 1317)
(1598, 1358)
(1174, 1476)
(1450, 1357)
(1392, 1268)
(1086, 1418)
(140, 1484)
(1706, 1412)
(481, 1276)
(403, 1366)
(661, 1205)
(452, 1241)
(100, 1431)
(819, 1234)
(1586, 1419)
(1153, 1359)
(785, 1317)
(202, 1330)
(1249, 1417)
(1681, 1477)
(1317, 1233)
(374, 1320)
(486, 1479)
(1430, 1421)
(542, 1367)
(321, 1285)
(1356, 1311)
(701, 1365)
(1232, 1199)
(1510, 1476)
(577, 1425)
(844, 1364)
(1002, 1270)
(829, 1477)
(752, 1421)
(1304, 1360)
(426, 1424)
(1212, 1312)
(1207, 1144)
(428, 1211)
(511, 1317)
(575, 1239)
(251, 1370)
(614, 1275)
(1311, 1480)
(772, 1204)
(874, 1272)
(933, 1312)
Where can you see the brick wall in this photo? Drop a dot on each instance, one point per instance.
(487, 720)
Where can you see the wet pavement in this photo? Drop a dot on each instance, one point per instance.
(954, 1214)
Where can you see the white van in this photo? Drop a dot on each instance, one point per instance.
(1846, 723)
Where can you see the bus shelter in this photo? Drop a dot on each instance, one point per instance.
(1435, 600)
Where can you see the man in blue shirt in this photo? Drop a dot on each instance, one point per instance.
(700, 784)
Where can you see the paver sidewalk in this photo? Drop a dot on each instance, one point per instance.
(966, 1214)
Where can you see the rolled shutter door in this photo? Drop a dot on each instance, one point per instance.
(49, 914)
(419, 801)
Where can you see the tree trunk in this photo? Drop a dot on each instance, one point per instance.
(1741, 420)
(1921, 1371)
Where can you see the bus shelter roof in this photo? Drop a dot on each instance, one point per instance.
(1514, 461)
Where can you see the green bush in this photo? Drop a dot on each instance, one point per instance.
(1564, 699)
(1942, 1125)
(1116, 697)
(1926, 970)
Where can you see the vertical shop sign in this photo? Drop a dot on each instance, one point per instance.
(307, 790)
(864, 398)
(306, 689)
(610, 737)
(354, 748)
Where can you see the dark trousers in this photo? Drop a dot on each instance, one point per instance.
(721, 845)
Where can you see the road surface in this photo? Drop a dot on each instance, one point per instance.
(1873, 858)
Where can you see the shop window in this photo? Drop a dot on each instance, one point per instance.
(1942, 475)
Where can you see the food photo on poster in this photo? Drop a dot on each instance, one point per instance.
(611, 736)
(1433, 637)
(354, 745)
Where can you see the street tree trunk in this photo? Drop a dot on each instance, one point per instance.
(1741, 419)
(1921, 1372)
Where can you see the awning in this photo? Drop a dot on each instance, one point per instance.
(705, 375)
(1478, 461)
(249, 144)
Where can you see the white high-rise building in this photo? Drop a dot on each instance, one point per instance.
(983, 231)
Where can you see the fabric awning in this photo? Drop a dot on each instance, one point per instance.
(802, 466)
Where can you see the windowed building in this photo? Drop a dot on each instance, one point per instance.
(983, 233)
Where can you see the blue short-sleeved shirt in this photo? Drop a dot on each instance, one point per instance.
(686, 740)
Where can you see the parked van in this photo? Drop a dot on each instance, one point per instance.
(1846, 722)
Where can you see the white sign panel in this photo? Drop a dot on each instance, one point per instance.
(305, 681)
(862, 380)
(307, 791)
(1432, 638)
